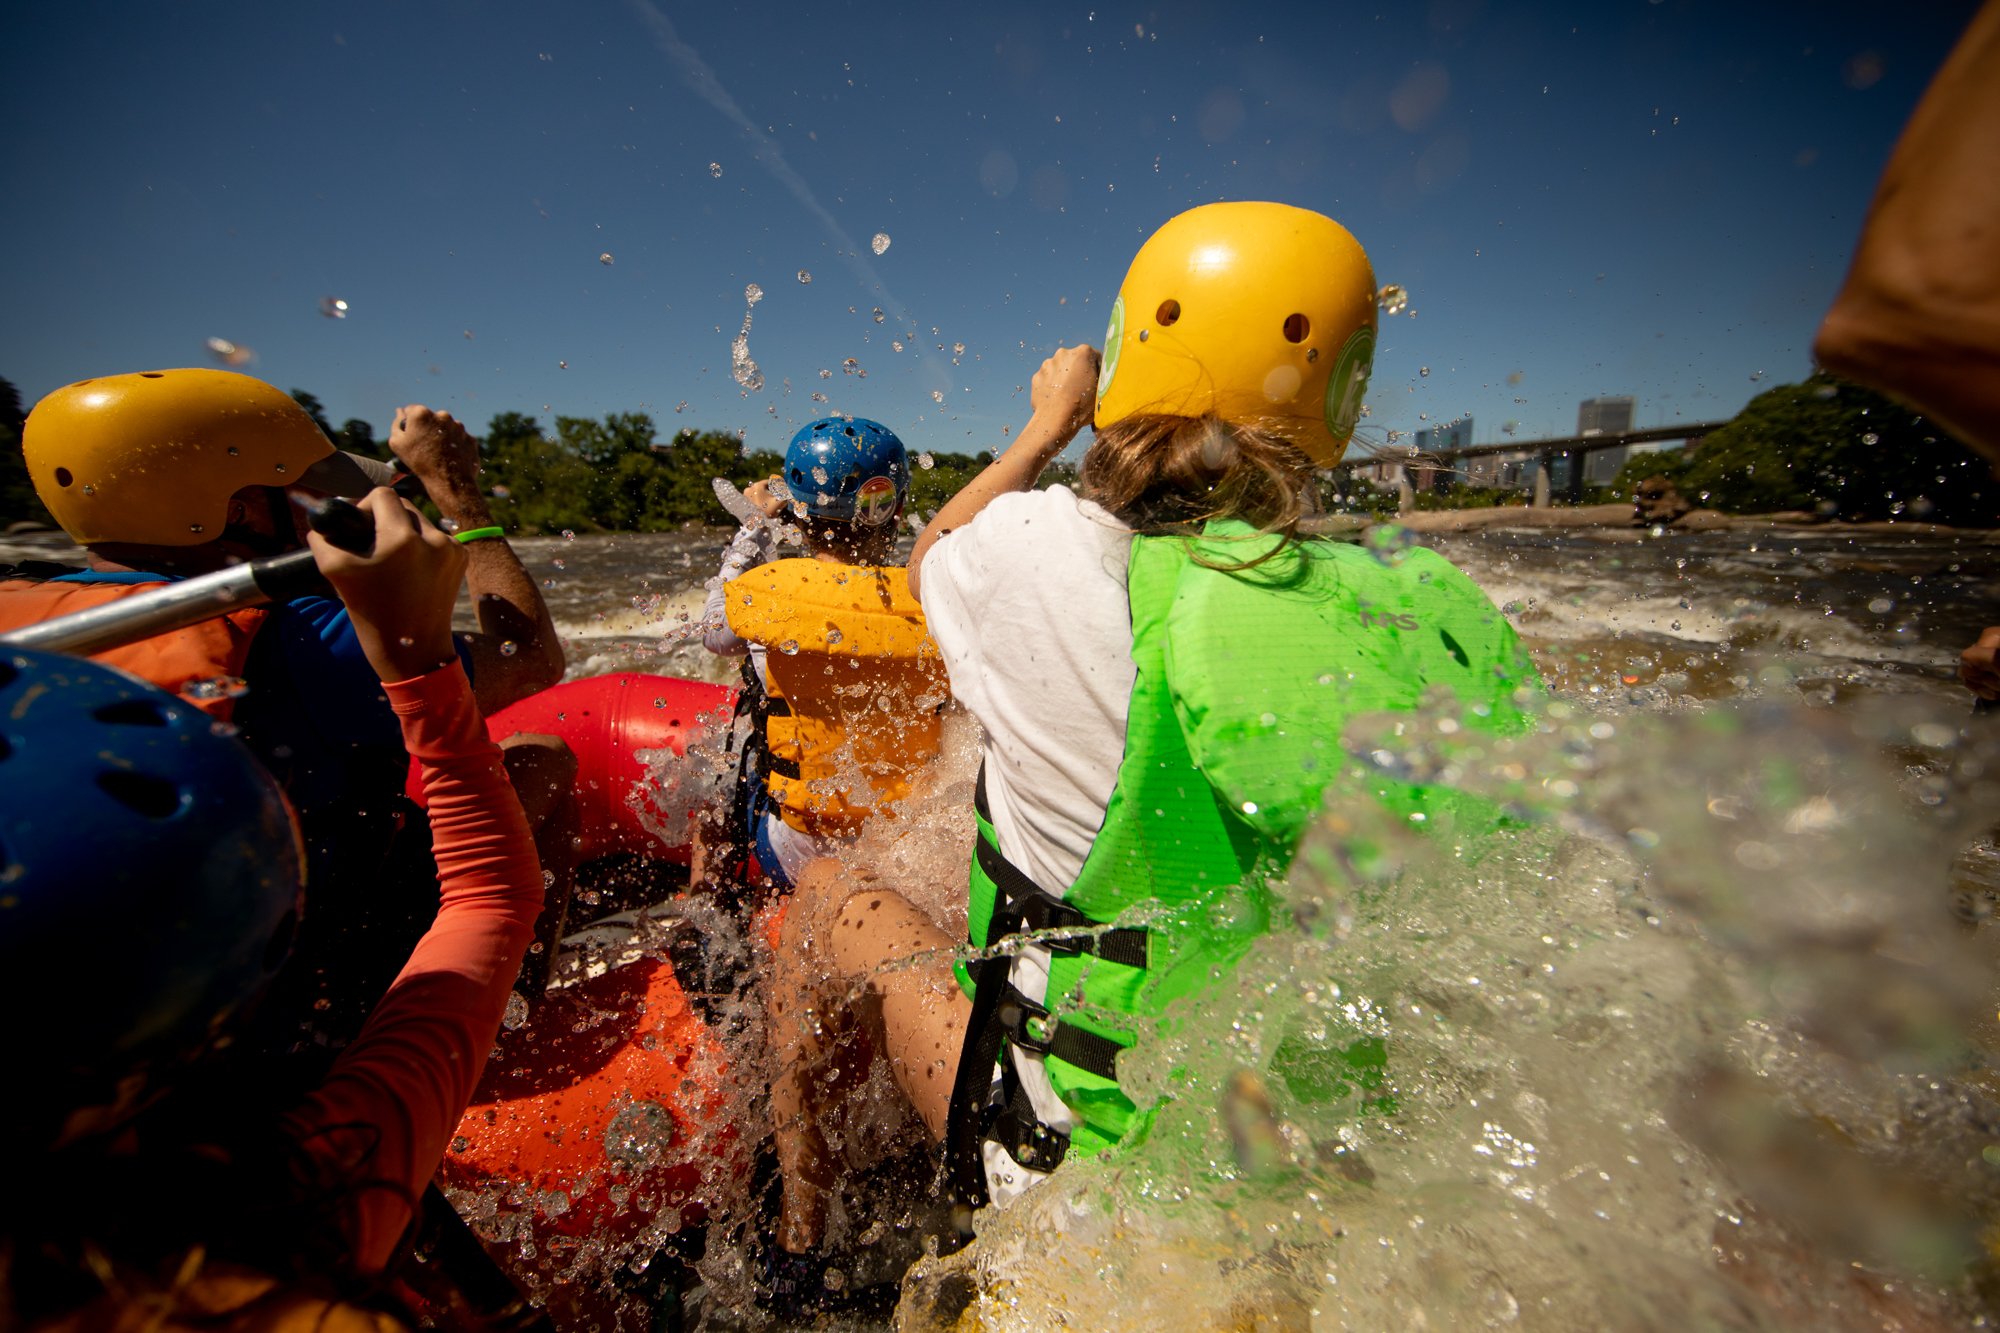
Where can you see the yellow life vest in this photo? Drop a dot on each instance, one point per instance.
(855, 683)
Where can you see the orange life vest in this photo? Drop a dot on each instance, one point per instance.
(855, 681)
(211, 651)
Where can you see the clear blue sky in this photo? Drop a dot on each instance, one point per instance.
(1610, 197)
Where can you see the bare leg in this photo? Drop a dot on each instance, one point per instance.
(543, 771)
(845, 940)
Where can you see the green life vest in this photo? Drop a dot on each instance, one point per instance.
(1245, 679)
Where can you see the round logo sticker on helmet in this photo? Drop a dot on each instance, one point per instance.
(1113, 336)
(875, 502)
(1348, 383)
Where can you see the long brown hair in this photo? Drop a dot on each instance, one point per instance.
(1168, 475)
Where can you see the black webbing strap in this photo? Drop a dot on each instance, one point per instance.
(965, 1122)
(1002, 1014)
(757, 702)
(1021, 901)
(1027, 1025)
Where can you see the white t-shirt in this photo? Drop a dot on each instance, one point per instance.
(1028, 605)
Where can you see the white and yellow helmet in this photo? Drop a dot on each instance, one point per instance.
(1262, 314)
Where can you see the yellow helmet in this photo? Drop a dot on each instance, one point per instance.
(153, 458)
(1262, 314)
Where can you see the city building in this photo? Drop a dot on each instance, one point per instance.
(1604, 416)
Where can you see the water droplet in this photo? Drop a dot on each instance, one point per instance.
(833, 636)
(826, 374)
(1424, 372)
(605, 259)
(753, 293)
(926, 462)
(878, 315)
(562, 365)
(217, 687)
(850, 365)
(937, 395)
(279, 467)
(89, 489)
(516, 1012)
(1871, 438)
(819, 397)
(1756, 375)
(804, 277)
(333, 307)
(509, 648)
(715, 170)
(1392, 299)
(895, 344)
(880, 243)
(229, 353)
(789, 647)
(681, 406)
(958, 349)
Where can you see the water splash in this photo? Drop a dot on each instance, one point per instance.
(879, 243)
(229, 353)
(741, 368)
(1696, 1016)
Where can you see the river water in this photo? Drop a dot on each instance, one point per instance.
(1707, 1041)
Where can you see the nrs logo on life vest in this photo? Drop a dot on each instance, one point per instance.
(875, 503)
(1376, 619)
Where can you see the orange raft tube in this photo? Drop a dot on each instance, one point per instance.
(609, 722)
(598, 1129)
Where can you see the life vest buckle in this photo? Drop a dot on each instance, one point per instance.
(1026, 1023)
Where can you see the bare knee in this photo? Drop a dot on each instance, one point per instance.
(543, 771)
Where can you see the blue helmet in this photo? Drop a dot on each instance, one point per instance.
(856, 470)
(149, 889)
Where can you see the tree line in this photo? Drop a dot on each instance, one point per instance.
(581, 474)
(1827, 446)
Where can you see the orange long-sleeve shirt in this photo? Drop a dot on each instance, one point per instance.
(381, 1119)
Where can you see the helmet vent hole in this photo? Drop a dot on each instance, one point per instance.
(6, 750)
(131, 713)
(1169, 311)
(1297, 327)
(63, 477)
(151, 375)
(155, 798)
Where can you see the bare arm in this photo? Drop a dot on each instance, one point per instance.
(516, 651)
(1063, 394)
(1919, 314)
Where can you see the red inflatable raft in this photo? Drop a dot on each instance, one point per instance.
(609, 722)
(599, 1127)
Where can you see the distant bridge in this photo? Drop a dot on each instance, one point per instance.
(1575, 447)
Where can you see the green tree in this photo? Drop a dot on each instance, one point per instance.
(358, 437)
(314, 409)
(1836, 448)
(18, 501)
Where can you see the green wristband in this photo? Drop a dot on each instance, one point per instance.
(478, 534)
